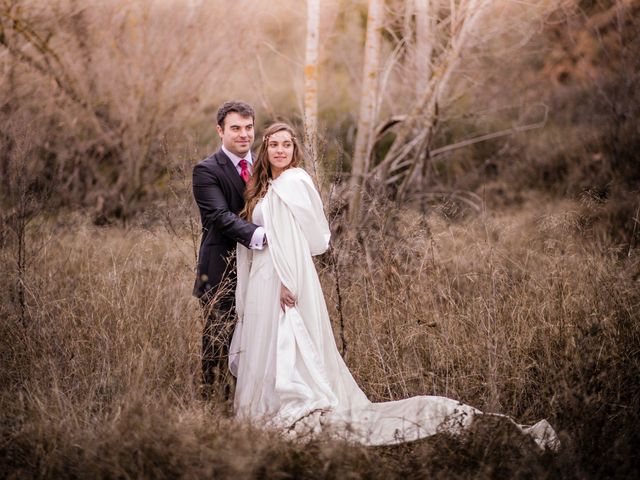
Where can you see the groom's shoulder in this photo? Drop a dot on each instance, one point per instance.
(211, 163)
(211, 160)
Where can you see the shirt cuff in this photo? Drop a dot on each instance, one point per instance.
(257, 241)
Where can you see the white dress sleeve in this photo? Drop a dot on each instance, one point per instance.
(295, 188)
(296, 227)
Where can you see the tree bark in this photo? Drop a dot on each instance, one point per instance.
(437, 86)
(368, 104)
(311, 87)
(425, 38)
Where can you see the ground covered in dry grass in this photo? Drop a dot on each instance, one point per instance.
(529, 311)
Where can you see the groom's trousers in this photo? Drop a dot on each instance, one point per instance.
(219, 323)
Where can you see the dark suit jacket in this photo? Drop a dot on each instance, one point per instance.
(219, 193)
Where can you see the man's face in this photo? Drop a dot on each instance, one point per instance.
(237, 134)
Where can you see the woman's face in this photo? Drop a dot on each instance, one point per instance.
(279, 151)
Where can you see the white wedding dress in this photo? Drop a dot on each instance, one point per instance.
(289, 372)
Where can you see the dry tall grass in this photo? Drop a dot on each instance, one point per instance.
(531, 310)
(520, 312)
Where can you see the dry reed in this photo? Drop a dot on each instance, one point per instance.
(518, 312)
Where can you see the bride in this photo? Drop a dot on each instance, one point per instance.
(289, 372)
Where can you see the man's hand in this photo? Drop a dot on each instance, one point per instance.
(286, 297)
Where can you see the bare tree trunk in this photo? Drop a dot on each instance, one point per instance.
(425, 38)
(368, 101)
(311, 87)
(435, 89)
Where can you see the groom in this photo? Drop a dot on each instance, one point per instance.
(218, 187)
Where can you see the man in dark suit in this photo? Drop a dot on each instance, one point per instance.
(218, 187)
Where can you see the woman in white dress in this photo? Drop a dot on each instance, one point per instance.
(289, 372)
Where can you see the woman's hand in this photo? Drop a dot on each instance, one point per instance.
(286, 297)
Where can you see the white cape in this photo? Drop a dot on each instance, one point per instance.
(288, 368)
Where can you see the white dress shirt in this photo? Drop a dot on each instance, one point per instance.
(258, 238)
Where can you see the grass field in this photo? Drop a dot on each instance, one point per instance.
(527, 310)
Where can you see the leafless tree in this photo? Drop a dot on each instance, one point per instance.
(110, 81)
(441, 34)
(368, 101)
(311, 85)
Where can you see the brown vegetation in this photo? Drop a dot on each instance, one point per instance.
(516, 312)
(508, 279)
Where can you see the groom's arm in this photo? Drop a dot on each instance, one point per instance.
(217, 214)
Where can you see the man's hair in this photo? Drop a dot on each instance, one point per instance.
(242, 108)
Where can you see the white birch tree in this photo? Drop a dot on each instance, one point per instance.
(368, 103)
(311, 86)
(425, 39)
(434, 71)
(464, 18)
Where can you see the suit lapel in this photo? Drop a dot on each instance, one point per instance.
(231, 172)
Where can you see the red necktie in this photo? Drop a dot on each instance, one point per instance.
(244, 170)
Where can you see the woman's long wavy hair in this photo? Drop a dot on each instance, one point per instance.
(259, 181)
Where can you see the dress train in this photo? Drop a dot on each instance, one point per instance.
(289, 372)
